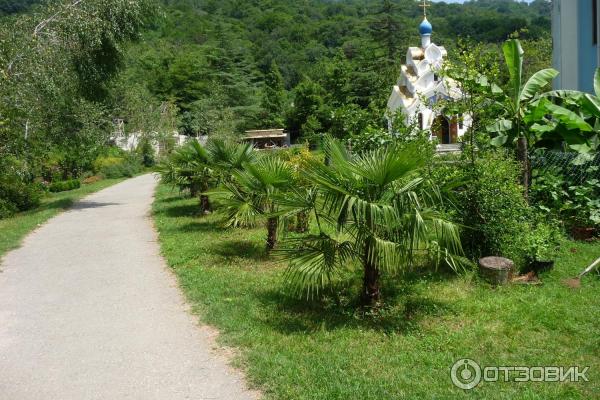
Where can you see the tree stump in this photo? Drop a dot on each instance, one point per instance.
(496, 270)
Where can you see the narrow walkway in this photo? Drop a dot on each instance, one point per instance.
(88, 310)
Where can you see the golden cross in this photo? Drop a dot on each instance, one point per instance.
(425, 5)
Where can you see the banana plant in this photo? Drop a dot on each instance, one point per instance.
(517, 102)
(576, 120)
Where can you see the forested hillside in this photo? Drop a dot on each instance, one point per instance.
(312, 65)
(14, 6)
(70, 69)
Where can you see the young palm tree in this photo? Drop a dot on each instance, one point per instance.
(376, 209)
(249, 195)
(189, 168)
(229, 156)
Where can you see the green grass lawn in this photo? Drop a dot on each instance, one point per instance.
(294, 349)
(14, 229)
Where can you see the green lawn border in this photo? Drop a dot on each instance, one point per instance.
(292, 349)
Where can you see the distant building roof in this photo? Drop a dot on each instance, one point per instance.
(265, 134)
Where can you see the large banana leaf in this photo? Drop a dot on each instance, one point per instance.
(537, 112)
(536, 83)
(502, 129)
(501, 125)
(513, 55)
(591, 104)
(567, 117)
(587, 102)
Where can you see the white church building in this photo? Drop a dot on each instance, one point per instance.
(419, 87)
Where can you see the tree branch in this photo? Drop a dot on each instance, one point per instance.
(45, 22)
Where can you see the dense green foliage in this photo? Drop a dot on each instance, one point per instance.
(57, 63)
(71, 68)
(231, 65)
(15, 6)
(17, 193)
(116, 163)
(489, 203)
(576, 204)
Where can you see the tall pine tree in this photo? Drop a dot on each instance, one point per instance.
(385, 29)
(273, 99)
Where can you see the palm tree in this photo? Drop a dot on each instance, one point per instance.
(189, 168)
(519, 100)
(228, 156)
(376, 209)
(249, 194)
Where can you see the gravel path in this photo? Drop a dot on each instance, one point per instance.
(88, 310)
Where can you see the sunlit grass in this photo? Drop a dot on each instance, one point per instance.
(324, 349)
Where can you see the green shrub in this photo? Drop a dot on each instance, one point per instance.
(574, 204)
(111, 166)
(497, 211)
(63, 186)
(541, 242)
(146, 152)
(489, 202)
(103, 162)
(7, 209)
(51, 168)
(18, 192)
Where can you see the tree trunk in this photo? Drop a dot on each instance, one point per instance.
(193, 190)
(370, 293)
(523, 157)
(271, 233)
(301, 222)
(205, 204)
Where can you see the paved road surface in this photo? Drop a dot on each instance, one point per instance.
(88, 310)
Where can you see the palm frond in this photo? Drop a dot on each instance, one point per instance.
(239, 207)
(314, 261)
(229, 155)
(386, 165)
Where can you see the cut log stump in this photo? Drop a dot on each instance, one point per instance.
(496, 270)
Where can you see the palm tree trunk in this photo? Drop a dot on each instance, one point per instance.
(301, 222)
(523, 157)
(194, 190)
(370, 293)
(205, 204)
(272, 223)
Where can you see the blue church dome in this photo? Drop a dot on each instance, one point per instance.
(425, 28)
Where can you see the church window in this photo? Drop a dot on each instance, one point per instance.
(420, 117)
(460, 121)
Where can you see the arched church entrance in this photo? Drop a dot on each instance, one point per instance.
(441, 129)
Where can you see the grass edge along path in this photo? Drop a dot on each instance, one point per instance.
(298, 350)
(15, 228)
